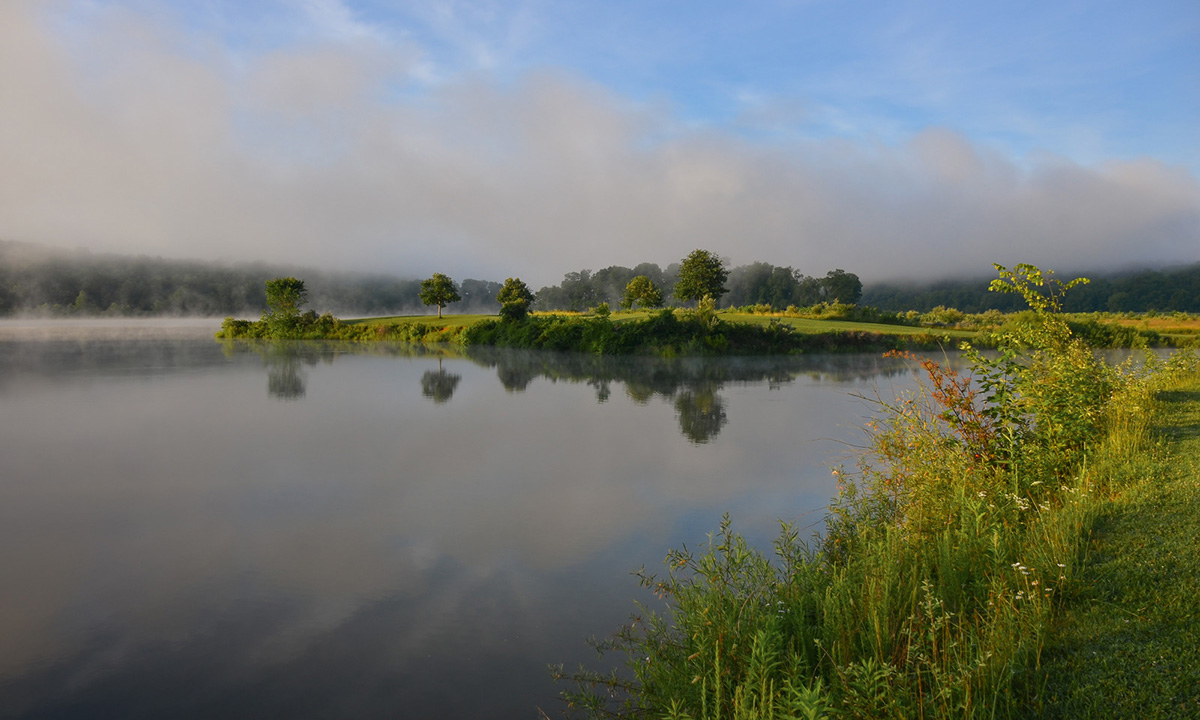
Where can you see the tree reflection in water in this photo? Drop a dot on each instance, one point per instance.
(439, 385)
(692, 385)
(701, 413)
(286, 379)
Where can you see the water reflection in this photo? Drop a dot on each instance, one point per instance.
(693, 386)
(701, 413)
(285, 374)
(407, 538)
(439, 385)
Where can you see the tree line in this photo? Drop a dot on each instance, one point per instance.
(45, 281)
(1168, 290)
(39, 280)
(758, 283)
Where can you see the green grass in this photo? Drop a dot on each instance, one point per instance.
(1128, 645)
(805, 325)
(447, 320)
(809, 325)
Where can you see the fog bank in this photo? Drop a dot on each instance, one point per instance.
(129, 135)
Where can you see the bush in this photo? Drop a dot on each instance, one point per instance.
(942, 316)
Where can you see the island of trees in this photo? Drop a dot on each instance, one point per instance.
(693, 325)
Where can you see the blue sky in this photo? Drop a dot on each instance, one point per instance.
(878, 136)
(1088, 80)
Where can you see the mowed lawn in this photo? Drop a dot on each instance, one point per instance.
(805, 325)
(812, 325)
(1179, 329)
(447, 320)
(801, 324)
(1128, 645)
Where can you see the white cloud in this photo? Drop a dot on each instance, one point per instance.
(333, 20)
(305, 154)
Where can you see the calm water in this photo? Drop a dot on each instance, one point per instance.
(192, 530)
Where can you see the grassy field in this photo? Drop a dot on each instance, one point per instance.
(447, 320)
(812, 325)
(1179, 329)
(805, 325)
(1128, 645)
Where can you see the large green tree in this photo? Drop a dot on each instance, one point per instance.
(842, 286)
(701, 274)
(641, 292)
(514, 299)
(285, 297)
(439, 290)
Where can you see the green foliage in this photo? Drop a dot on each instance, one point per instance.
(514, 298)
(942, 315)
(841, 286)
(701, 274)
(285, 297)
(1175, 289)
(705, 314)
(641, 292)
(665, 332)
(439, 290)
(944, 561)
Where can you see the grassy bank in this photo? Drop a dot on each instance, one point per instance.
(697, 332)
(703, 331)
(1128, 642)
(949, 555)
(665, 332)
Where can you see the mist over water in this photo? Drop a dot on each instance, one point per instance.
(192, 529)
(156, 328)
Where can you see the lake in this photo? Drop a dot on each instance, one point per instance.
(192, 529)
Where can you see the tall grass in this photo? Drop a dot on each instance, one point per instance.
(946, 555)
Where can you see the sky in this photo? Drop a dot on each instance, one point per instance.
(496, 139)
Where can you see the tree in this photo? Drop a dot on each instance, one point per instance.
(842, 286)
(439, 290)
(285, 297)
(701, 274)
(514, 299)
(641, 291)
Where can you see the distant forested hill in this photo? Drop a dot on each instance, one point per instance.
(39, 280)
(47, 281)
(1172, 289)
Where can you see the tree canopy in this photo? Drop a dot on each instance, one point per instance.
(285, 296)
(514, 299)
(642, 292)
(701, 274)
(439, 290)
(842, 286)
